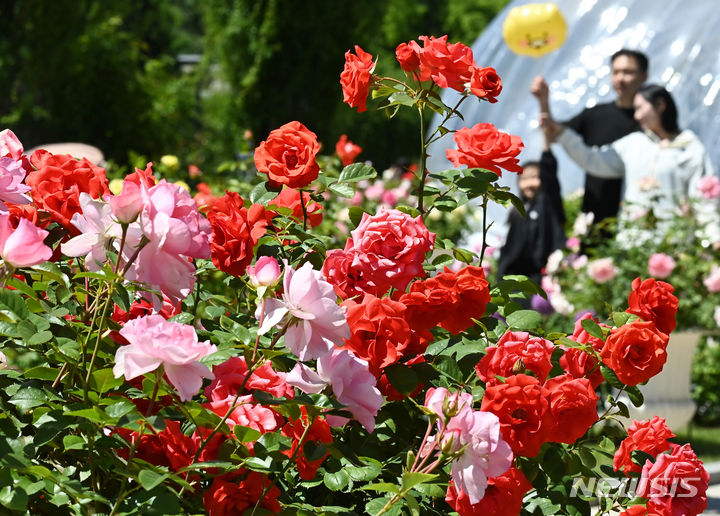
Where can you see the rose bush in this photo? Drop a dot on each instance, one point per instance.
(169, 362)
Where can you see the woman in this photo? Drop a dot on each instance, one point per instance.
(661, 164)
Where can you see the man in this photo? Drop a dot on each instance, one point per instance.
(604, 123)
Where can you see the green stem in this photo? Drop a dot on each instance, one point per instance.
(304, 209)
(485, 229)
(105, 308)
(423, 157)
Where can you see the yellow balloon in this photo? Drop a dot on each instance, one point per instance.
(534, 29)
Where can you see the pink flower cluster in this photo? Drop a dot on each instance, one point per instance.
(386, 251)
(164, 230)
(475, 432)
(13, 167)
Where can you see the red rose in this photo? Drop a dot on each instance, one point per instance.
(653, 300)
(230, 494)
(449, 65)
(288, 156)
(513, 347)
(503, 496)
(451, 300)
(355, 78)
(347, 150)
(485, 83)
(407, 56)
(523, 407)
(58, 182)
(579, 363)
(483, 146)
(636, 352)
(26, 211)
(319, 432)
(230, 376)
(380, 335)
(573, 404)
(290, 198)
(143, 177)
(648, 436)
(676, 484)
(235, 232)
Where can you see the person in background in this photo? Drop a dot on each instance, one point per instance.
(531, 239)
(604, 123)
(662, 165)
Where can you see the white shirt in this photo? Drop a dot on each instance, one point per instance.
(656, 174)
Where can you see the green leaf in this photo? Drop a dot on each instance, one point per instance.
(342, 189)
(40, 338)
(442, 258)
(448, 366)
(103, 380)
(73, 442)
(401, 99)
(260, 194)
(635, 395)
(611, 377)
(410, 480)
(524, 320)
(336, 481)
(463, 255)
(12, 305)
(149, 479)
(95, 414)
(245, 434)
(120, 408)
(356, 172)
(41, 373)
(592, 328)
(621, 318)
(402, 378)
(53, 271)
(13, 498)
(382, 487)
(28, 397)
(370, 471)
(356, 214)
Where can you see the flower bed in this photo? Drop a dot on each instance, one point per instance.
(365, 378)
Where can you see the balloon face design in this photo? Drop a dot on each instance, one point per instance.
(534, 29)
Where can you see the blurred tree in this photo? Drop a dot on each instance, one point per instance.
(106, 73)
(100, 72)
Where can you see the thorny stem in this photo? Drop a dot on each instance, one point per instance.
(485, 229)
(260, 323)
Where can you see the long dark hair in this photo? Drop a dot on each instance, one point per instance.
(669, 117)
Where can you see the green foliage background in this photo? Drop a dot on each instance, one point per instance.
(106, 73)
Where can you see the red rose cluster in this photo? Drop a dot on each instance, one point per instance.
(58, 182)
(448, 65)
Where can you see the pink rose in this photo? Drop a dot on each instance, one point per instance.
(675, 484)
(709, 187)
(573, 243)
(352, 384)
(390, 248)
(23, 246)
(309, 306)
(602, 270)
(712, 282)
(660, 265)
(155, 342)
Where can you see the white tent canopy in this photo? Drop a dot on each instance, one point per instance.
(680, 37)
